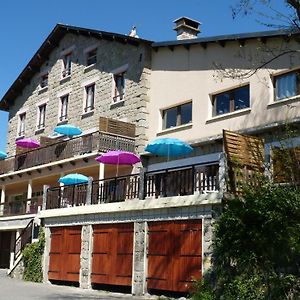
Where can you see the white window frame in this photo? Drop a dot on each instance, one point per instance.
(116, 97)
(21, 124)
(38, 121)
(86, 54)
(86, 108)
(63, 54)
(62, 118)
(42, 74)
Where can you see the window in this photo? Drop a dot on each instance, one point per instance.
(231, 100)
(21, 127)
(91, 57)
(176, 116)
(41, 116)
(66, 65)
(89, 97)
(64, 108)
(44, 80)
(119, 82)
(287, 85)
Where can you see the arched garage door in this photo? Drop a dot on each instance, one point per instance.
(174, 254)
(65, 251)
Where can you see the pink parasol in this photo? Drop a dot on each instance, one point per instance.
(28, 143)
(118, 157)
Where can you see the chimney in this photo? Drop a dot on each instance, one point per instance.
(186, 28)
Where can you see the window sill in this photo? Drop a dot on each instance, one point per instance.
(42, 90)
(62, 122)
(284, 101)
(233, 114)
(117, 104)
(87, 114)
(19, 137)
(65, 79)
(88, 68)
(177, 128)
(39, 130)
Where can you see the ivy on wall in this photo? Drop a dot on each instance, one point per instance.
(32, 259)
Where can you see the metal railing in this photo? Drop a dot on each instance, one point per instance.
(24, 238)
(94, 142)
(180, 181)
(20, 207)
(66, 196)
(116, 189)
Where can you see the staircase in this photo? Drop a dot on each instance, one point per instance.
(24, 238)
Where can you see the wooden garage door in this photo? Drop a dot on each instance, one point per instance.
(65, 251)
(112, 254)
(174, 254)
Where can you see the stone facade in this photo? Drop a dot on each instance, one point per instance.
(207, 213)
(86, 256)
(111, 55)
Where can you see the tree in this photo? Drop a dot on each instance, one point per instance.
(268, 13)
(272, 17)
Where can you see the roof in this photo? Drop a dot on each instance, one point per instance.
(227, 38)
(52, 41)
(60, 30)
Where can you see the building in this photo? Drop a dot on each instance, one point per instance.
(149, 227)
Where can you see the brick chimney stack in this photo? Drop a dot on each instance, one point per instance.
(186, 28)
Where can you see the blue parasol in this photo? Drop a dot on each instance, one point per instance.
(169, 147)
(3, 155)
(71, 179)
(68, 130)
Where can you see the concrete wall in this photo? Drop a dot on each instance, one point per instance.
(111, 55)
(180, 74)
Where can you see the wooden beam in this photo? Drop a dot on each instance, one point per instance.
(187, 46)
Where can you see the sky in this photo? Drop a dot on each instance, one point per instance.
(24, 25)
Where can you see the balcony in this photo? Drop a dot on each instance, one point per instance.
(20, 207)
(94, 142)
(188, 180)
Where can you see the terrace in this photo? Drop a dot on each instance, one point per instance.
(94, 142)
(188, 180)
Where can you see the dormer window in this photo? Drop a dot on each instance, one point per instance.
(91, 57)
(66, 65)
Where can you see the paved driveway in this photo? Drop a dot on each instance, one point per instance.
(14, 289)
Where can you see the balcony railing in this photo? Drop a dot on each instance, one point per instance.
(182, 181)
(98, 141)
(20, 207)
(67, 196)
(115, 189)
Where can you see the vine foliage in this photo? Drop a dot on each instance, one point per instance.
(32, 259)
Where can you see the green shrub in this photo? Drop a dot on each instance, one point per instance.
(32, 259)
(256, 253)
(202, 291)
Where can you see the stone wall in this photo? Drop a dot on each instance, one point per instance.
(111, 55)
(206, 213)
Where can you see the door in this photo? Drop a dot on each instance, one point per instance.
(5, 239)
(174, 254)
(112, 254)
(65, 252)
